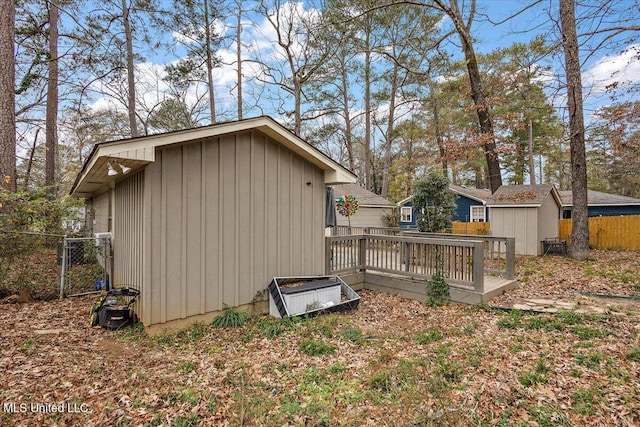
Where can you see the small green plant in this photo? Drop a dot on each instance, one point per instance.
(531, 378)
(187, 367)
(231, 318)
(312, 347)
(587, 332)
(512, 321)
(382, 381)
(437, 290)
(429, 336)
(585, 401)
(354, 335)
(634, 354)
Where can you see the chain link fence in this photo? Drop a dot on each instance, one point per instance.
(45, 266)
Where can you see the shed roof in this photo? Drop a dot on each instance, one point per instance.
(136, 153)
(523, 195)
(364, 197)
(598, 198)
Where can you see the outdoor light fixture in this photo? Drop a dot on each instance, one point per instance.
(125, 169)
(112, 171)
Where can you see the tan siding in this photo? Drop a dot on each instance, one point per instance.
(233, 213)
(366, 217)
(549, 214)
(128, 232)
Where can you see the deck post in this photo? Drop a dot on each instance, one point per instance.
(362, 253)
(510, 258)
(478, 267)
(327, 255)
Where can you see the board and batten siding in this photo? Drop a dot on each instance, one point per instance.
(101, 206)
(226, 215)
(128, 229)
(366, 217)
(518, 222)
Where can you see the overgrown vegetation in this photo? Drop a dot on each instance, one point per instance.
(30, 231)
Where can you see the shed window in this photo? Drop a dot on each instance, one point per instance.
(478, 214)
(406, 213)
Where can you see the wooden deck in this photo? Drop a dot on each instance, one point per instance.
(474, 271)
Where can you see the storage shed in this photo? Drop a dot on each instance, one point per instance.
(203, 219)
(372, 207)
(528, 213)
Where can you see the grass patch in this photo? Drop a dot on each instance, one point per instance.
(354, 335)
(512, 321)
(591, 360)
(586, 332)
(312, 347)
(634, 354)
(586, 401)
(429, 337)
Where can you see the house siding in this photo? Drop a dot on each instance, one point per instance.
(128, 229)
(463, 209)
(227, 215)
(549, 215)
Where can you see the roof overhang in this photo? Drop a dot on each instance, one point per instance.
(136, 153)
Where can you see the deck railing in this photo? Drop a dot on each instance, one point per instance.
(499, 252)
(460, 261)
(344, 230)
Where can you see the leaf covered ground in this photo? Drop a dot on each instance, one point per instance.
(391, 362)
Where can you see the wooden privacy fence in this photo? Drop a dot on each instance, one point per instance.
(608, 232)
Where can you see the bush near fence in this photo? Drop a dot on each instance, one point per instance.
(608, 232)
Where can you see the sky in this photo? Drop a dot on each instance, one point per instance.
(491, 30)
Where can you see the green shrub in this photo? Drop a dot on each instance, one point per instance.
(437, 290)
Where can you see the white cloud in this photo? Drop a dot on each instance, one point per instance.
(623, 69)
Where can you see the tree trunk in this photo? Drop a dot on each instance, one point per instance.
(207, 32)
(532, 165)
(7, 96)
(131, 95)
(386, 172)
(484, 118)
(367, 112)
(239, 58)
(51, 121)
(580, 219)
(347, 117)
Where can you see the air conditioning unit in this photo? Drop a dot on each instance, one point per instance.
(102, 238)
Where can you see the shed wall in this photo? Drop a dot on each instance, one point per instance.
(366, 217)
(226, 216)
(520, 223)
(128, 232)
(549, 214)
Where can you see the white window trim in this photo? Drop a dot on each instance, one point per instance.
(402, 215)
(477, 208)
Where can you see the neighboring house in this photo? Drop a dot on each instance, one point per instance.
(203, 219)
(470, 207)
(601, 204)
(372, 207)
(529, 213)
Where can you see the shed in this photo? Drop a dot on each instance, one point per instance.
(203, 219)
(372, 207)
(528, 213)
(601, 204)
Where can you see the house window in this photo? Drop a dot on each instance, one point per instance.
(406, 213)
(478, 214)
